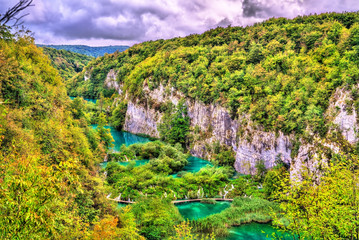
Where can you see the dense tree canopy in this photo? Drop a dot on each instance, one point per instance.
(49, 156)
(66, 62)
(281, 72)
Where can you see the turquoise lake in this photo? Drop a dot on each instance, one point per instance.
(255, 231)
(196, 210)
(195, 164)
(121, 137)
(86, 99)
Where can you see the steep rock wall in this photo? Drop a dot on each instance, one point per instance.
(140, 119)
(215, 125)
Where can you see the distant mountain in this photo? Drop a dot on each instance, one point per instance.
(87, 50)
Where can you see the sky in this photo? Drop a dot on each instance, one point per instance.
(126, 22)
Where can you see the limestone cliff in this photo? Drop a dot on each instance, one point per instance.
(215, 125)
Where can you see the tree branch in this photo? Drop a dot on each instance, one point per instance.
(11, 13)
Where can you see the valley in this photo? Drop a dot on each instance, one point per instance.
(235, 133)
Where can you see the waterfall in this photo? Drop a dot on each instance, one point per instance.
(108, 196)
(119, 197)
(199, 195)
(225, 192)
(106, 158)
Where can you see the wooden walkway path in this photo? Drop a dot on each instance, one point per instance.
(179, 201)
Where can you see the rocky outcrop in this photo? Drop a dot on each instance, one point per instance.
(110, 81)
(253, 146)
(264, 146)
(140, 119)
(346, 120)
(87, 76)
(215, 125)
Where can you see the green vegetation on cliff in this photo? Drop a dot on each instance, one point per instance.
(67, 63)
(281, 72)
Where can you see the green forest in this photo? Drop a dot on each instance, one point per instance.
(66, 62)
(278, 75)
(281, 72)
(87, 50)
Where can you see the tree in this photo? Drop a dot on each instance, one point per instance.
(104, 133)
(175, 126)
(119, 115)
(12, 13)
(325, 210)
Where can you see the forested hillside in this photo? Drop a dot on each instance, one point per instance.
(49, 182)
(281, 73)
(66, 62)
(278, 100)
(87, 50)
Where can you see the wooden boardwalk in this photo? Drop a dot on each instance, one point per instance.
(121, 201)
(200, 199)
(179, 201)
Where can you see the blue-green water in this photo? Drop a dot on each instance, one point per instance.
(195, 210)
(252, 231)
(121, 205)
(255, 231)
(86, 99)
(195, 164)
(121, 137)
(138, 163)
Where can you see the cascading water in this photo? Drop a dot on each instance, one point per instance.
(119, 197)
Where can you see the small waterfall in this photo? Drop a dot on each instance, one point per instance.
(119, 197)
(105, 173)
(199, 193)
(165, 194)
(108, 196)
(227, 191)
(106, 158)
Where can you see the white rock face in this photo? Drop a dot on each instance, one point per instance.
(111, 82)
(216, 125)
(262, 145)
(87, 76)
(346, 121)
(141, 120)
(213, 120)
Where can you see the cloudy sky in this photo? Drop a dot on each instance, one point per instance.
(125, 22)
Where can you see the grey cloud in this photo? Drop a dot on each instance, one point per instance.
(225, 22)
(251, 8)
(123, 21)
